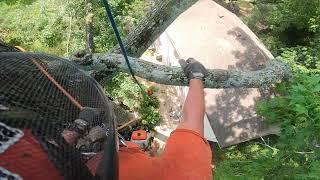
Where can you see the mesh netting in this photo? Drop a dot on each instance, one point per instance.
(52, 118)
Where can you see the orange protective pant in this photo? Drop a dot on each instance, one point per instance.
(186, 156)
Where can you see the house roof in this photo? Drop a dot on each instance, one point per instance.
(220, 40)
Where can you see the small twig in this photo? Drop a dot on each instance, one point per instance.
(275, 149)
(267, 145)
(263, 139)
(311, 152)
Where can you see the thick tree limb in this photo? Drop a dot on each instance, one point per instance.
(275, 71)
(162, 14)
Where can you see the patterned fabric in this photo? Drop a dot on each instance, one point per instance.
(7, 175)
(8, 136)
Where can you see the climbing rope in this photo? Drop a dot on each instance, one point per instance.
(120, 42)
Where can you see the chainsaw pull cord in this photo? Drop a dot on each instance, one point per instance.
(120, 42)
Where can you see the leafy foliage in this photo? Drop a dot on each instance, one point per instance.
(286, 23)
(122, 88)
(149, 112)
(58, 27)
(33, 25)
(246, 161)
(296, 152)
(290, 29)
(298, 112)
(127, 14)
(302, 59)
(302, 15)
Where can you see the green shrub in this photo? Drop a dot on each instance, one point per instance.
(298, 112)
(302, 15)
(149, 111)
(296, 153)
(58, 27)
(285, 23)
(123, 89)
(302, 59)
(246, 161)
(290, 29)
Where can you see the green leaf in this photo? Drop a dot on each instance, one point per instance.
(316, 88)
(300, 109)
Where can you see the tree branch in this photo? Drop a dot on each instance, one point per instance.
(274, 71)
(155, 22)
(146, 32)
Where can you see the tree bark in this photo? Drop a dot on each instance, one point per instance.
(274, 71)
(89, 29)
(155, 22)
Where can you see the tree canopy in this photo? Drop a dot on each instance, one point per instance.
(58, 27)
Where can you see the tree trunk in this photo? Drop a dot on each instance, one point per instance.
(155, 22)
(274, 71)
